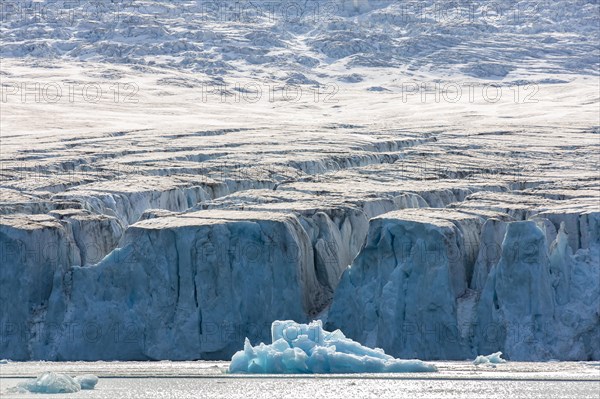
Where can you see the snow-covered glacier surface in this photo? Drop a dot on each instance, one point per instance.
(176, 176)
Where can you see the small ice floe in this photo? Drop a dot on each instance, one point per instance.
(87, 381)
(50, 382)
(4, 361)
(301, 348)
(494, 358)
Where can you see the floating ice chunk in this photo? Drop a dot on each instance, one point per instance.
(87, 381)
(50, 382)
(4, 361)
(307, 348)
(494, 358)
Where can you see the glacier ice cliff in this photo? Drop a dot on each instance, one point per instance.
(401, 292)
(33, 250)
(451, 282)
(407, 293)
(180, 266)
(542, 305)
(184, 286)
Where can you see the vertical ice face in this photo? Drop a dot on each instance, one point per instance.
(337, 229)
(336, 236)
(405, 291)
(582, 227)
(401, 292)
(128, 201)
(94, 235)
(575, 277)
(32, 249)
(492, 234)
(516, 307)
(187, 287)
(537, 306)
(409, 200)
(560, 266)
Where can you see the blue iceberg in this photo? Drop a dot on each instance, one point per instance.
(86, 381)
(494, 358)
(52, 383)
(308, 349)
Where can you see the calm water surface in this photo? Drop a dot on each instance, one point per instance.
(209, 380)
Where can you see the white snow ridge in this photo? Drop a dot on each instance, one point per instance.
(178, 176)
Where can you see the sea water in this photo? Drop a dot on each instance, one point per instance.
(204, 379)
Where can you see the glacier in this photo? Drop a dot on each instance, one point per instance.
(528, 308)
(307, 348)
(194, 201)
(187, 290)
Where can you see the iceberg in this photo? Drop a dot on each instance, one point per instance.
(50, 382)
(86, 381)
(309, 349)
(494, 358)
